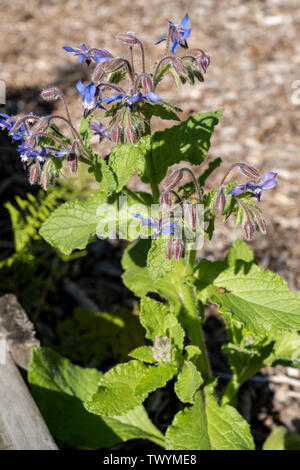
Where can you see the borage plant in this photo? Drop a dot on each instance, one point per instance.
(167, 227)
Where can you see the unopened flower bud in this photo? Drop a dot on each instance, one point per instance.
(178, 249)
(115, 134)
(220, 202)
(50, 94)
(72, 161)
(169, 249)
(248, 229)
(165, 202)
(189, 214)
(45, 177)
(203, 60)
(40, 126)
(179, 67)
(129, 39)
(34, 173)
(249, 171)
(174, 179)
(147, 83)
(97, 74)
(130, 135)
(114, 64)
(260, 221)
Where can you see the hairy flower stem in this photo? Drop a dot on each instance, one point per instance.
(150, 170)
(74, 131)
(142, 54)
(131, 59)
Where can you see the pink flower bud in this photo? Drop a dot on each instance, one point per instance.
(203, 60)
(178, 249)
(169, 249)
(260, 221)
(40, 126)
(189, 214)
(220, 202)
(129, 39)
(34, 173)
(72, 161)
(147, 83)
(173, 179)
(113, 64)
(248, 230)
(97, 74)
(179, 67)
(50, 94)
(165, 202)
(130, 135)
(45, 177)
(115, 134)
(249, 171)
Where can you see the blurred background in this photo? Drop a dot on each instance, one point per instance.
(255, 65)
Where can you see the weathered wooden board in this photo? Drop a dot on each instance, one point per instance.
(21, 424)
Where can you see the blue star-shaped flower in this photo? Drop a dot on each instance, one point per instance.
(95, 55)
(131, 100)
(178, 34)
(102, 131)
(8, 123)
(268, 181)
(159, 226)
(90, 96)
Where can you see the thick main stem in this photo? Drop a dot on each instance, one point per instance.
(194, 328)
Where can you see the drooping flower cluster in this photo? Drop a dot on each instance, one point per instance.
(129, 108)
(252, 215)
(132, 108)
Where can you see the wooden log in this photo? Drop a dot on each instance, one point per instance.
(21, 424)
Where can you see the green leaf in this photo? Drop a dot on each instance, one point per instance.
(127, 159)
(126, 386)
(158, 109)
(116, 392)
(60, 388)
(73, 224)
(135, 425)
(155, 377)
(189, 380)
(158, 265)
(189, 430)
(226, 428)
(134, 262)
(188, 141)
(143, 353)
(208, 426)
(159, 321)
(239, 250)
(259, 299)
(286, 350)
(103, 175)
(282, 439)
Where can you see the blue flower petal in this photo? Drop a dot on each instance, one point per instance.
(185, 23)
(267, 177)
